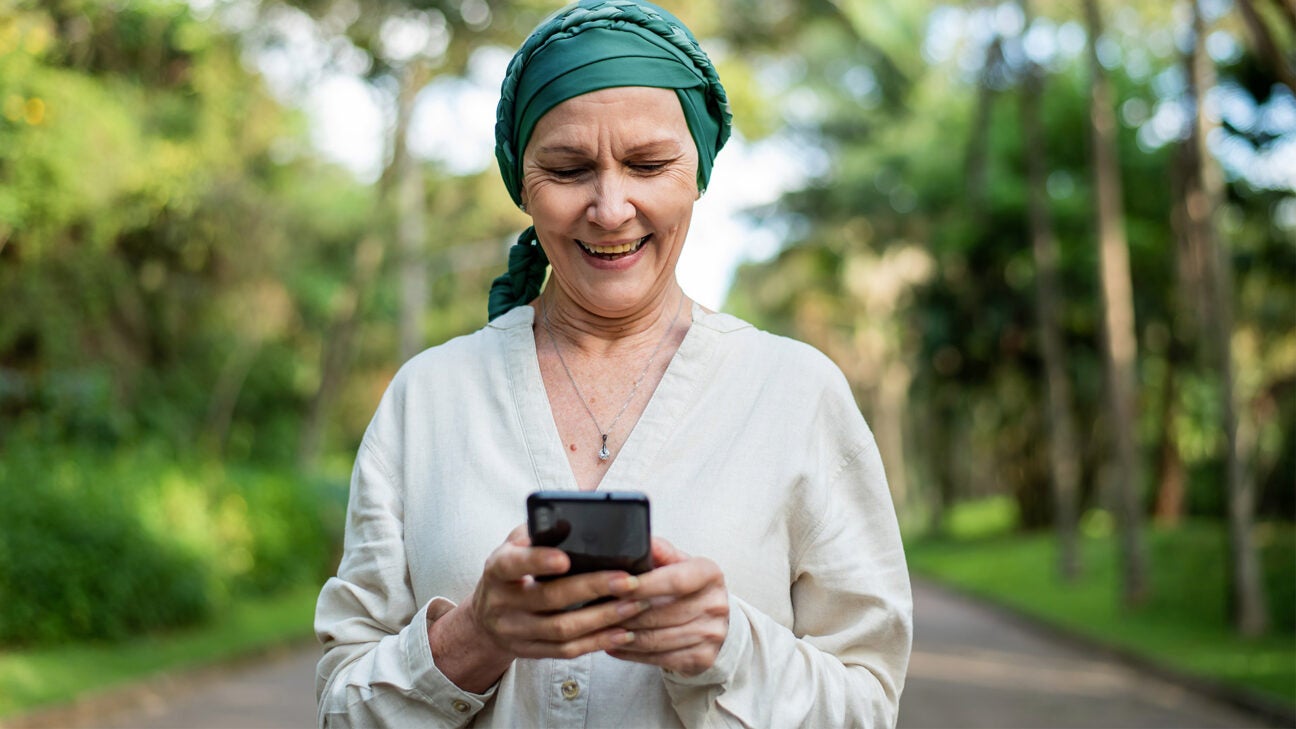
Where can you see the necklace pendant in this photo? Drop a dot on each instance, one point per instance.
(604, 452)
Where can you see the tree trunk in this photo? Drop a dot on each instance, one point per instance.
(400, 190)
(1064, 453)
(892, 403)
(941, 438)
(1118, 341)
(1288, 9)
(1171, 473)
(335, 360)
(1265, 46)
(1171, 476)
(1205, 192)
(977, 168)
(410, 226)
(225, 394)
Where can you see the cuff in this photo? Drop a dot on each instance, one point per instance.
(736, 643)
(455, 704)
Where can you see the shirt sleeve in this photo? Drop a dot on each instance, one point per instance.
(843, 662)
(377, 669)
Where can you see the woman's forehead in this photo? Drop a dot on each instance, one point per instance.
(630, 115)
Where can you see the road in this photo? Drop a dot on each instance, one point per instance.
(978, 668)
(972, 668)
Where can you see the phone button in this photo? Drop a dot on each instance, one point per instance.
(570, 689)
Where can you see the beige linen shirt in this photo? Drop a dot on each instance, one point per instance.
(753, 454)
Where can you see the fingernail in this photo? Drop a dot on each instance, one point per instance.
(626, 609)
(626, 637)
(624, 584)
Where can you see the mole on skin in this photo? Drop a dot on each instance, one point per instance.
(572, 446)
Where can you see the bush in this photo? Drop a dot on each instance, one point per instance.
(77, 565)
(101, 546)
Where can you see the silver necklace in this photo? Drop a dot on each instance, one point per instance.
(604, 453)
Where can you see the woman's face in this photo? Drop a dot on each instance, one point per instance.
(609, 179)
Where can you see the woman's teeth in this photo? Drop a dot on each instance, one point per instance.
(615, 250)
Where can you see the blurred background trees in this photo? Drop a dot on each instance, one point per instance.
(200, 311)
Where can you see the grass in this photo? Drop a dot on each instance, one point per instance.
(1183, 625)
(32, 679)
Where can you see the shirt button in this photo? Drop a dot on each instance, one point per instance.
(461, 706)
(570, 689)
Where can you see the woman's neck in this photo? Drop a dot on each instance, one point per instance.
(594, 335)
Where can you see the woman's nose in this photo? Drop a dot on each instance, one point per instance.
(610, 207)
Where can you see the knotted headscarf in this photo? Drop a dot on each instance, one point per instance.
(589, 46)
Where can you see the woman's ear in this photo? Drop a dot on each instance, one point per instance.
(523, 205)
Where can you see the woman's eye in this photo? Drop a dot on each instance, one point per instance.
(568, 173)
(648, 166)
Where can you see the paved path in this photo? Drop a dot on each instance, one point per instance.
(279, 694)
(972, 668)
(979, 669)
(276, 692)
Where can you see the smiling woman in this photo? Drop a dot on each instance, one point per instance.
(749, 446)
(609, 179)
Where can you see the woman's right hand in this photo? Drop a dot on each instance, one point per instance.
(512, 615)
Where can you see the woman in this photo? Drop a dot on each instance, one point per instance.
(794, 609)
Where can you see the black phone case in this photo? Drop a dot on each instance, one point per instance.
(599, 530)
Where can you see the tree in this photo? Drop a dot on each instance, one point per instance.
(1119, 346)
(1203, 190)
(1263, 38)
(1064, 456)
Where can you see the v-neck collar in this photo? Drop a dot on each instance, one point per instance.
(664, 411)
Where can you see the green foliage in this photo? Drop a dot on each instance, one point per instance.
(982, 518)
(1183, 625)
(103, 546)
(74, 563)
(177, 259)
(924, 174)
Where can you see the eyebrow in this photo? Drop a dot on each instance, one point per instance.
(658, 145)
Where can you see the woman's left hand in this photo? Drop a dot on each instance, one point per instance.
(689, 617)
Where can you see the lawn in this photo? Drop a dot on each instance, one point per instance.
(45, 676)
(1182, 626)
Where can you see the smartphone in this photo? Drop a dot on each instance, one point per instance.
(599, 530)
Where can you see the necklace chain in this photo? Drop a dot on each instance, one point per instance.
(604, 453)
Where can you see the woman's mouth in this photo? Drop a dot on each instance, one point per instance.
(613, 252)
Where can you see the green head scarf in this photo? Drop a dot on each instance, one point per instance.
(589, 46)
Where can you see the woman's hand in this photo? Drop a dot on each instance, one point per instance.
(689, 617)
(512, 615)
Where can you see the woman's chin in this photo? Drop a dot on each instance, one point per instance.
(616, 300)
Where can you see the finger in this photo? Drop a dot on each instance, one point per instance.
(679, 579)
(570, 625)
(664, 553)
(606, 640)
(679, 637)
(519, 536)
(663, 612)
(564, 592)
(510, 562)
(686, 661)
